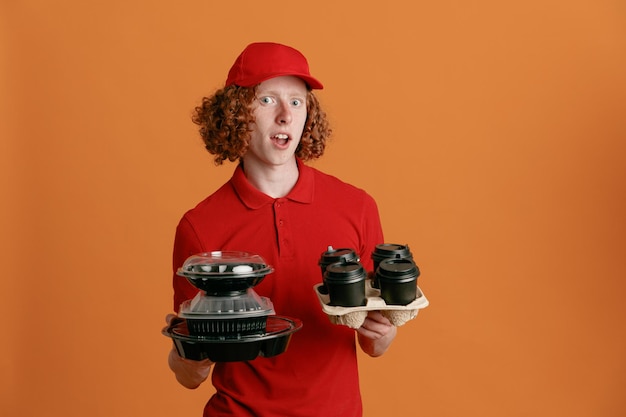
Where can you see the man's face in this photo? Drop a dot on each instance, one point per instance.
(280, 113)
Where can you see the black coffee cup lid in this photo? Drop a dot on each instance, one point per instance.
(345, 271)
(337, 255)
(391, 250)
(398, 268)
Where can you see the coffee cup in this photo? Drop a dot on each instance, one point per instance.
(332, 256)
(397, 279)
(386, 251)
(345, 283)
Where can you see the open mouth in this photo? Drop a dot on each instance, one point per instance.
(281, 139)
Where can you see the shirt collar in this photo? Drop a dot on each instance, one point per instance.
(302, 192)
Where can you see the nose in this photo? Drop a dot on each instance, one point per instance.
(284, 114)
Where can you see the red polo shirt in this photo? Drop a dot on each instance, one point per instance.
(317, 375)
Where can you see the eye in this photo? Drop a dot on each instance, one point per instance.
(296, 102)
(266, 100)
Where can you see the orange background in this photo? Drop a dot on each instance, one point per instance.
(491, 133)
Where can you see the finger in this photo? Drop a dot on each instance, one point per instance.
(364, 331)
(376, 316)
(169, 318)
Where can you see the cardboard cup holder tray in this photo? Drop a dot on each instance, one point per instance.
(354, 317)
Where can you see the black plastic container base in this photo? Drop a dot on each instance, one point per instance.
(234, 349)
(227, 327)
(224, 352)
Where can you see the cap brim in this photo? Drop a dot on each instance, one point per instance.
(313, 83)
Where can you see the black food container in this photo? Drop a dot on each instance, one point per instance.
(272, 342)
(239, 314)
(224, 273)
(227, 320)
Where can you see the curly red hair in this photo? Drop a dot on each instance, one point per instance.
(225, 118)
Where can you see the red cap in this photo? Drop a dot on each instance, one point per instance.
(264, 60)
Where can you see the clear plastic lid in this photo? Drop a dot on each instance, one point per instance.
(224, 263)
(248, 304)
(223, 272)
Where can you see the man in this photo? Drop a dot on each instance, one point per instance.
(268, 119)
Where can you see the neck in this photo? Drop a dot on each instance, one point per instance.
(276, 180)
